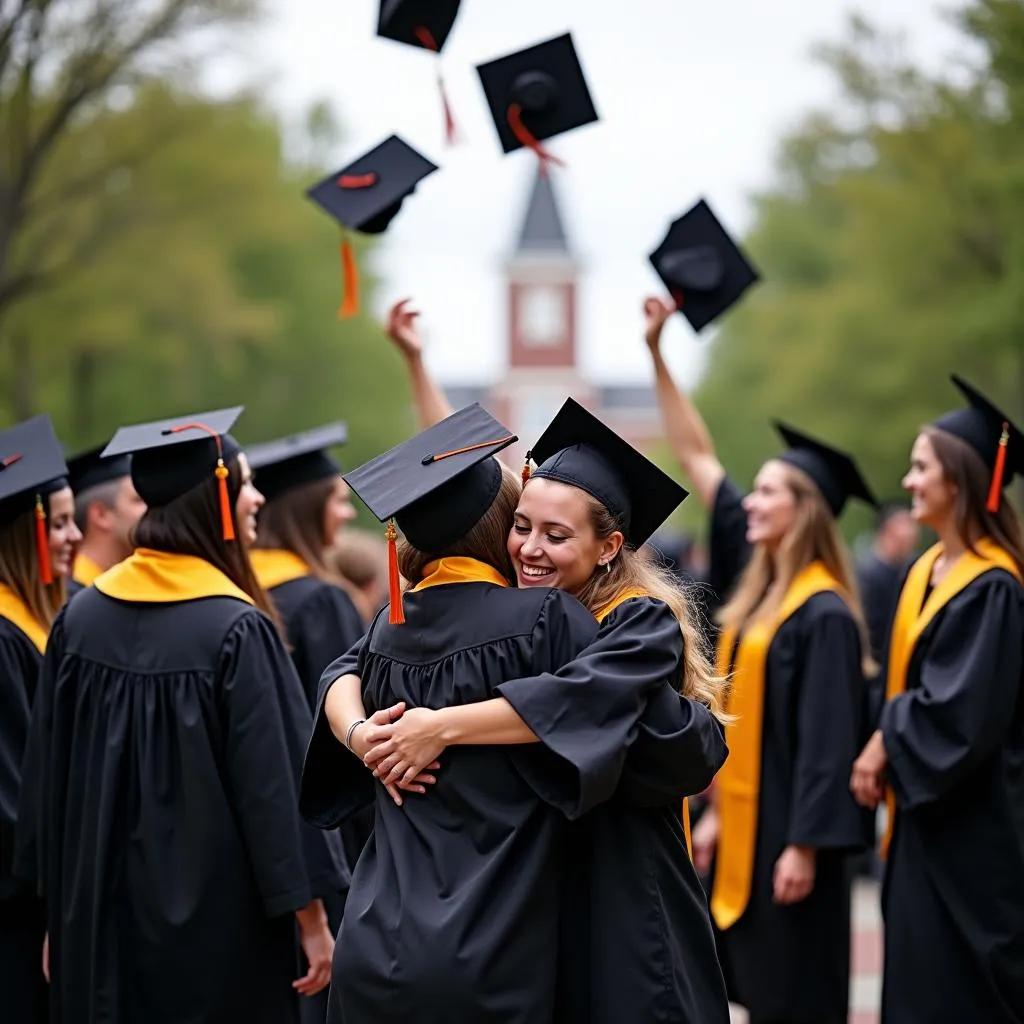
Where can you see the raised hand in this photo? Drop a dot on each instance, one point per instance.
(401, 329)
(656, 312)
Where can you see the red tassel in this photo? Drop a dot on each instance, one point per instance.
(526, 138)
(227, 520)
(43, 542)
(451, 134)
(995, 492)
(396, 615)
(349, 283)
(526, 468)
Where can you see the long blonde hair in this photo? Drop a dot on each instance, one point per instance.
(813, 537)
(637, 569)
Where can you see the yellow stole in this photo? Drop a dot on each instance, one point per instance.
(160, 577)
(914, 614)
(457, 569)
(739, 781)
(601, 614)
(274, 566)
(86, 571)
(17, 612)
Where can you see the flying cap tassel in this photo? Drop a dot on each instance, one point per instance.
(43, 542)
(349, 268)
(526, 467)
(426, 39)
(396, 615)
(526, 138)
(221, 472)
(995, 492)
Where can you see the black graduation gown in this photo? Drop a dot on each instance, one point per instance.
(320, 623)
(22, 924)
(792, 964)
(637, 939)
(159, 799)
(953, 896)
(73, 587)
(453, 910)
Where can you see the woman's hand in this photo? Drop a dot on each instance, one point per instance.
(656, 312)
(794, 875)
(317, 944)
(377, 729)
(403, 750)
(704, 839)
(867, 781)
(401, 329)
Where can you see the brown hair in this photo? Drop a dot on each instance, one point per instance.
(19, 569)
(963, 467)
(191, 525)
(813, 537)
(487, 541)
(294, 521)
(638, 569)
(360, 559)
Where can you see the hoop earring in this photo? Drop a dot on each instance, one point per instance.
(607, 567)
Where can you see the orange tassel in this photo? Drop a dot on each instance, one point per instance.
(350, 283)
(396, 615)
(451, 133)
(526, 468)
(227, 520)
(43, 542)
(995, 492)
(526, 138)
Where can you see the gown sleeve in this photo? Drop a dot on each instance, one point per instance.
(936, 734)
(19, 672)
(328, 623)
(264, 711)
(335, 784)
(589, 711)
(728, 550)
(829, 705)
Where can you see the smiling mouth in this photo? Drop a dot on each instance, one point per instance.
(534, 572)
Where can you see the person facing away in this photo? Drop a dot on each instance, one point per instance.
(453, 910)
(107, 507)
(793, 638)
(949, 746)
(158, 813)
(637, 939)
(880, 571)
(33, 474)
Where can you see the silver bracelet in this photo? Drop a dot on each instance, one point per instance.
(352, 729)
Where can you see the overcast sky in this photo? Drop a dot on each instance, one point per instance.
(693, 98)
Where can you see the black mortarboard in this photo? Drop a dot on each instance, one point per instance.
(536, 94)
(834, 473)
(170, 457)
(704, 270)
(283, 465)
(576, 448)
(366, 196)
(436, 486)
(31, 466)
(417, 23)
(89, 469)
(991, 433)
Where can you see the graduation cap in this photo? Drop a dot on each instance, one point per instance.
(31, 467)
(536, 94)
(427, 26)
(90, 469)
(578, 449)
(991, 433)
(366, 196)
(436, 486)
(297, 460)
(170, 457)
(834, 473)
(703, 269)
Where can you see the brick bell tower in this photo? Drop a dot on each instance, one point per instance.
(542, 275)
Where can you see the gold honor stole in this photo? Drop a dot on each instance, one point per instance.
(602, 613)
(914, 614)
(86, 571)
(739, 781)
(274, 566)
(17, 612)
(159, 577)
(458, 570)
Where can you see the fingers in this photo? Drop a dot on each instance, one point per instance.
(394, 794)
(378, 753)
(385, 716)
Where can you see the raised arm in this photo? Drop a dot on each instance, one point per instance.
(685, 429)
(429, 398)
